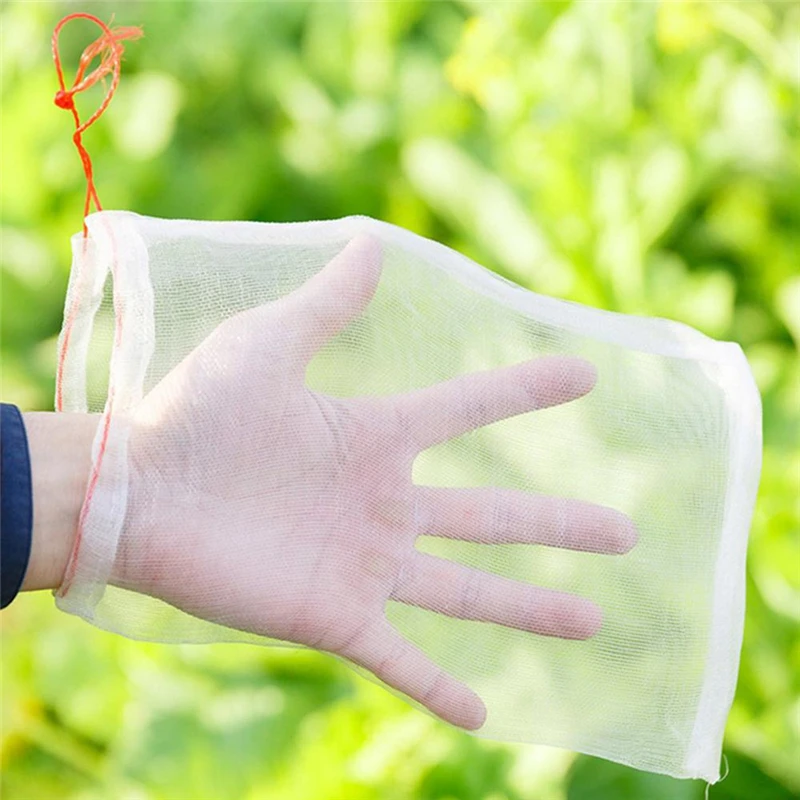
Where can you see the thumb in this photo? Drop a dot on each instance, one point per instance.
(339, 293)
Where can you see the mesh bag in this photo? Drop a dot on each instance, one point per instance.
(527, 516)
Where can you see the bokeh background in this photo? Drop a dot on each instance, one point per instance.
(638, 156)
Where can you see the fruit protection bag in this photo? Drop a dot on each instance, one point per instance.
(526, 516)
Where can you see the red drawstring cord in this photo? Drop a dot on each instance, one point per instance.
(109, 48)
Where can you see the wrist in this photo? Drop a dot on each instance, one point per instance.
(60, 447)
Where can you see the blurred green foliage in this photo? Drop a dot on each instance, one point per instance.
(643, 157)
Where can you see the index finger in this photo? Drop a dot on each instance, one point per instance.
(446, 410)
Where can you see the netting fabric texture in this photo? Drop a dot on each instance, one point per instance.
(526, 516)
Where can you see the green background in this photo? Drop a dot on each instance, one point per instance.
(638, 156)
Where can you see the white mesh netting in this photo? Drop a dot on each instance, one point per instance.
(528, 516)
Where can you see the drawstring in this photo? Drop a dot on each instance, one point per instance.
(108, 48)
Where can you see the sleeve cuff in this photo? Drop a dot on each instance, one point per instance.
(16, 503)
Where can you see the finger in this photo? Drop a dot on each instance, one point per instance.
(445, 410)
(505, 516)
(337, 294)
(458, 591)
(398, 663)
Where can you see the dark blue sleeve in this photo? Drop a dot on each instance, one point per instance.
(16, 502)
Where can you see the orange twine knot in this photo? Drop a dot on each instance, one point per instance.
(108, 48)
(64, 100)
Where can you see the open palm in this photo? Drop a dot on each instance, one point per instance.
(262, 505)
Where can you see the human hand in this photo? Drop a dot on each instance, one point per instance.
(262, 505)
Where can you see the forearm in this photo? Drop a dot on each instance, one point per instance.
(60, 451)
